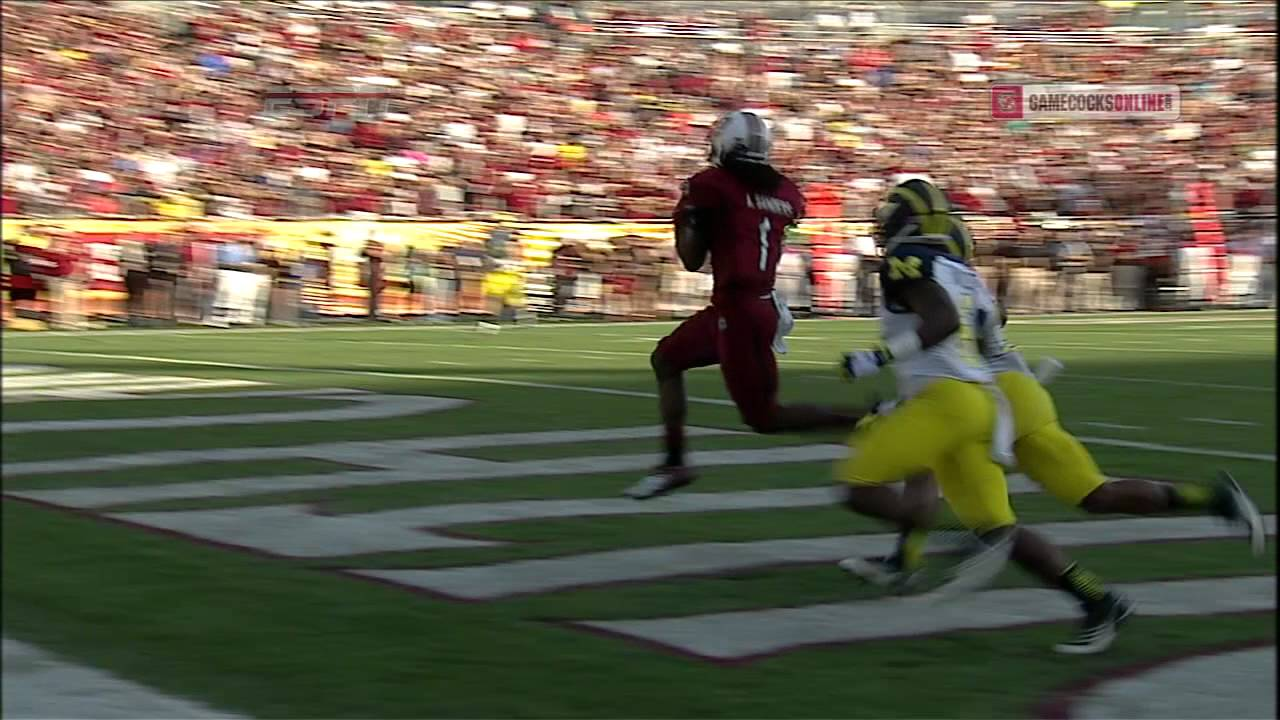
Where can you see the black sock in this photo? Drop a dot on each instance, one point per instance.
(1083, 585)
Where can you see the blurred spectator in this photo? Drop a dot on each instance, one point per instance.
(66, 282)
(165, 265)
(135, 268)
(373, 277)
(421, 284)
(22, 282)
(1071, 259)
(107, 111)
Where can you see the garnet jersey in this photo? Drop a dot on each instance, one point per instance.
(744, 229)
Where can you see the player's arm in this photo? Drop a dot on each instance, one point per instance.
(991, 320)
(907, 280)
(938, 318)
(700, 198)
(691, 239)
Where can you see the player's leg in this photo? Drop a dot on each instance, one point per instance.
(907, 442)
(1058, 462)
(974, 487)
(1104, 609)
(692, 344)
(918, 501)
(750, 370)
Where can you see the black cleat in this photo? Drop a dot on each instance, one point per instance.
(1100, 626)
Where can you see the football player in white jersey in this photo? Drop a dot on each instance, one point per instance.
(948, 417)
(966, 479)
(1058, 462)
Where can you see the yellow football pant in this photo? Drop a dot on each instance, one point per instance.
(945, 429)
(1046, 452)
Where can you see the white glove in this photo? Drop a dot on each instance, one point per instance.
(1048, 369)
(862, 363)
(884, 407)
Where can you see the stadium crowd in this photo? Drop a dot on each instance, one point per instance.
(592, 110)
(119, 109)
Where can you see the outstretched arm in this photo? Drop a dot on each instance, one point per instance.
(939, 319)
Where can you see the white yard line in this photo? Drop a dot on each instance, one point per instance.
(1221, 421)
(420, 467)
(743, 635)
(1158, 381)
(1234, 684)
(1157, 447)
(426, 345)
(1112, 426)
(38, 684)
(372, 454)
(120, 390)
(545, 575)
(375, 373)
(8, 370)
(355, 407)
(1117, 318)
(1089, 346)
(299, 530)
(581, 388)
(69, 379)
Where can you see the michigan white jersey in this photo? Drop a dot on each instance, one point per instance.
(960, 356)
(1001, 356)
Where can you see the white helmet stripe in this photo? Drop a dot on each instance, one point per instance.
(755, 133)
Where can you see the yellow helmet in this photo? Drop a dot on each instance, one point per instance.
(913, 207)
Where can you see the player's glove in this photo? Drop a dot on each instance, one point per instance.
(1047, 370)
(884, 406)
(862, 363)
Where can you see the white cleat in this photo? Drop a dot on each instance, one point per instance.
(881, 572)
(978, 570)
(1244, 513)
(661, 481)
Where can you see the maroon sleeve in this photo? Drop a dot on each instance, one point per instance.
(797, 201)
(700, 192)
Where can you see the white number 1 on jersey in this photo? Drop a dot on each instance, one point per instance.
(765, 227)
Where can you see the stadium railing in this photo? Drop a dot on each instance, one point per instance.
(624, 269)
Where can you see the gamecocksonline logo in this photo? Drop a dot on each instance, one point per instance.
(355, 101)
(1085, 102)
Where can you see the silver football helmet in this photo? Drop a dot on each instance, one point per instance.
(743, 135)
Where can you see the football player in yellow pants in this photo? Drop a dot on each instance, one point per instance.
(1054, 459)
(946, 426)
(1058, 462)
(931, 432)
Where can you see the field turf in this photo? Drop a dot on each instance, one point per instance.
(282, 585)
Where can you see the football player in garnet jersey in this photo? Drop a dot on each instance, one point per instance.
(734, 212)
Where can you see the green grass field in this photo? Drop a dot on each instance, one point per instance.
(445, 563)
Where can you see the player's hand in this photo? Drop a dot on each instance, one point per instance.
(861, 363)
(1047, 370)
(884, 406)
